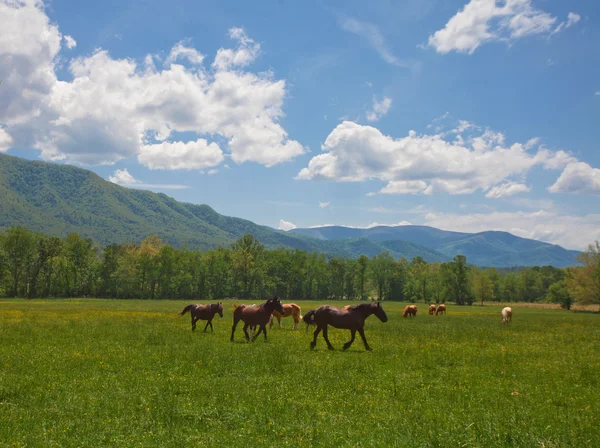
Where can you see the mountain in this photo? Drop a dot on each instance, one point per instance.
(58, 199)
(491, 248)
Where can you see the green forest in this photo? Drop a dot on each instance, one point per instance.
(34, 265)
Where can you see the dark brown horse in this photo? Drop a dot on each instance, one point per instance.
(203, 312)
(256, 315)
(349, 318)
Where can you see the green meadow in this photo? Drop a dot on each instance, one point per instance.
(132, 373)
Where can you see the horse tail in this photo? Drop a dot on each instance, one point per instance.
(185, 310)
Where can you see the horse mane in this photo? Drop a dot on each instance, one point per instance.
(362, 305)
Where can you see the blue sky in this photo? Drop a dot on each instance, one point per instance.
(465, 115)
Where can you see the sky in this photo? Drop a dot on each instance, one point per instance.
(465, 115)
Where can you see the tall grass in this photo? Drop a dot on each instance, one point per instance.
(131, 373)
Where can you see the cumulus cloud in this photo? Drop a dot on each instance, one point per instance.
(579, 178)
(482, 21)
(324, 204)
(125, 179)
(119, 108)
(570, 231)
(427, 164)
(507, 189)
(181, 51)
(285, 225)
(379, 108)
(70, 42)
(5, 140)
(181, 156)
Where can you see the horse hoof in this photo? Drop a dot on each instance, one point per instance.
(331, 348)
(312, 346)
(369, 349)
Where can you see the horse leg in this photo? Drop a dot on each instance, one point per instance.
(349, 343)
(314, 342)
(193, 323)
(246, 332)
(235, 322)
(329, 346)
(296, 320)
(212, 330)
(206, 326)
(361, 331)
(271, 321)
(263, 329)
(279, 321)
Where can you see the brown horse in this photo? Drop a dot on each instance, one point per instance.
(440, 309)
(352, 318)
(410, 310)
(290, 309)
(431, 310)
(203, 312)
(256, 315)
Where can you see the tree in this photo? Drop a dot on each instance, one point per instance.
(363, 266)
(558, 293)
(381, 268)
(482, 285)
(583, 282)
(456, 279)
(17, 244)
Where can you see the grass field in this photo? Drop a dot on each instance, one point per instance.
(131, 373)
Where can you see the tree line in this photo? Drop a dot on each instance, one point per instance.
(37, 265)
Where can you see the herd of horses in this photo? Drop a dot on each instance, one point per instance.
(350, 317)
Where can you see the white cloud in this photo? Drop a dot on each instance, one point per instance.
(181, 51)
(192, 155)
(284, 225)
(372, 34)
(324, 204)
(212, 172)
(379, 109)
(573, 232)
(116, 108)
(578, 177)
(246, 52)
(404, 187)
(70, 42)
(125, 179)
(482, 21)
(506, 189)
(425, 163)
(5, 140)
(597, 93)
(369, 226)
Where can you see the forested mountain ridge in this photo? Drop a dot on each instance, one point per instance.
(58, 199)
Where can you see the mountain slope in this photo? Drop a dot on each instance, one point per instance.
(57, 199)
(492, 248)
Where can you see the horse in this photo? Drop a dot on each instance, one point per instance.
(203, 312)
(431, 310)
(290, 309)
(410, 310)
(256, 315)
(506, 315)
(441, 309)
(352, 318)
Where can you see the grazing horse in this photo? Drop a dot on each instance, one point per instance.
(256, 315)
(352, 318)
(290, 309)
(203, 312)
(410, 310)
(431, 310)
(441, 309)
(506, 315)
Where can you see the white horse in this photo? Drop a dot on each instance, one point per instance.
(506, 315)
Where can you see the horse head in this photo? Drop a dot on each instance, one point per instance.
(274, 304)
(380, 313)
